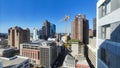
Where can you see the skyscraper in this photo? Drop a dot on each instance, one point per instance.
(35, 34)
(52, 29)
(48, 29)
(80, 28)
(17, 35)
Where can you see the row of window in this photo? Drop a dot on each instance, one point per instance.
(108, 6)
(31, 55)
(105, 8)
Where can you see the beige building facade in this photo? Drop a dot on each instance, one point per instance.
(80, 28)
(41, 53)
(17, 35)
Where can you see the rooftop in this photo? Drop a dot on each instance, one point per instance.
(38, 43)
(12, 61)
(5, 49)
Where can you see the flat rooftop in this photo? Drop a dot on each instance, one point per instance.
(40, 43)
(12, 61)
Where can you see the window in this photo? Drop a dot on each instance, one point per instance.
(108, 6)
(105, 8)
(38, 55)
(105, 31)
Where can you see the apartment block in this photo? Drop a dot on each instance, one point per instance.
(80, 28)
(17, 35)
(108, 26)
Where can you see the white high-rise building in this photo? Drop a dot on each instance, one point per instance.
(108, 35)
(35, 34)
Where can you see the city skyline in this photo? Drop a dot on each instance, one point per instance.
(59, 34)
(31, 14)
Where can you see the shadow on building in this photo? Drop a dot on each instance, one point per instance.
(60, 59)
(87, 58)
(109, 49)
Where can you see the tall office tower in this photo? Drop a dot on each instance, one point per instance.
(43, 35)
(41, 53)
(52, 29)
(48, 30)
(35, 34)
(80, 28)
(17, 35)
(46, 24)
(40, 33)
(94, 27)
(108, 25)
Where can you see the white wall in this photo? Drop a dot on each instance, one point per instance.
(74, 48)
(110, 18)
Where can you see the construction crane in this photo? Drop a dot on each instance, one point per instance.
(65, 19)
(65, 24)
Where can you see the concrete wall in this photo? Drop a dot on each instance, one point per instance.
(92, 51)
(77, 49)
(74, 48)
(69, 62)
(110, 18)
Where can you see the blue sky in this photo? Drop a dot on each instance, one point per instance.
(32, 13)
